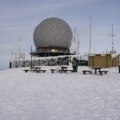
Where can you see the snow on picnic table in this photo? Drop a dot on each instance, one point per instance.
(59, 96)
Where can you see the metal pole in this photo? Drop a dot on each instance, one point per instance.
(112, 35)
(119, 63)
(90, 36)
(31, 58)
(10, 64)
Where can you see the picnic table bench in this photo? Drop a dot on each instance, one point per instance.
(42, 71)
(65, 71)
(87, 71)
(102, 71)
(26, 70)
(37, 70)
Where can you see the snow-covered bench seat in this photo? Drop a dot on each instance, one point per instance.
(37, 70)
(87, 71)
(65, 71)
(26, 70)
(102, 71)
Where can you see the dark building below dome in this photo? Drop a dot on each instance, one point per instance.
(43, 52)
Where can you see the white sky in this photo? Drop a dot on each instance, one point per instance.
(19, 19)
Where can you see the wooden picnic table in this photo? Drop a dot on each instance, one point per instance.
(36, 67)
(96, 68)
(52, 70)
(63, 69)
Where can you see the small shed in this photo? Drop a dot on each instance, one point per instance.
(103, 60)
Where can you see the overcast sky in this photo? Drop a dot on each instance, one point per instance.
(18, 18)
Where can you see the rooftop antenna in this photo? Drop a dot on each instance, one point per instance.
(76, 41)
(90, 37)
(19, 45)
(18, 53)
(112, 35)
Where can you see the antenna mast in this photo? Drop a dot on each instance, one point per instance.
(76, 41)
(90, 37)
(112, 35)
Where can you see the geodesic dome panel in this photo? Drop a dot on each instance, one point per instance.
(52, 32)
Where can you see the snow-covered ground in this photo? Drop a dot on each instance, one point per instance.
(59, 96)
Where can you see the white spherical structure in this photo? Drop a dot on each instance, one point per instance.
(52, 33)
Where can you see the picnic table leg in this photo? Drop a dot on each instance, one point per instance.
(101, 73)
(52, 71)
(95, 71)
